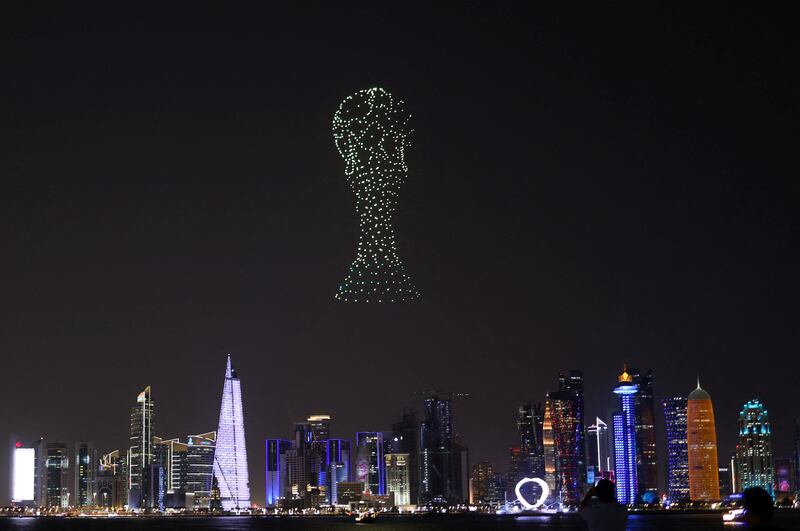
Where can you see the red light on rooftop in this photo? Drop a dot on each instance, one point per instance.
(18, 445)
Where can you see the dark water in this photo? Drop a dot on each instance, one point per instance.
(787, 521)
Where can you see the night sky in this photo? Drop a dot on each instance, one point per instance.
(587, 187)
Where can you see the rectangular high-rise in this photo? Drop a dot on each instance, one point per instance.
(675, 409)
(85, 458)
(57, 472)
(277, 472)
(397, 478)
(436, 452)
(370, 465)
(140, 453)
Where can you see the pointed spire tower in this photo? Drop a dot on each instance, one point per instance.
(230, 457)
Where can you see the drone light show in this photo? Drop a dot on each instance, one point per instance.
(372, 134)
(542, 497)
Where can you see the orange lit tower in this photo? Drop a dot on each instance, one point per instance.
(702, 447)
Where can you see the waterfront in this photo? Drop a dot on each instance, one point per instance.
(685, 522)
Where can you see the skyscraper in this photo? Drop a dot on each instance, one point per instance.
(568, 435)
(230, 459)
(200, 450)
(754, 462)
(675, 409)
(140, 453)
(436, 452)
(338, 466)
(701, 442)
(84, 472)
(597, 440)
(57, 475)
(529, 425)
(370, 463)
(797, 449)
(479, 482)
(573, 382)
(625, 440)
(397, 478)
(549, 445)
(277, 478)
(405, 440)
(646, 456)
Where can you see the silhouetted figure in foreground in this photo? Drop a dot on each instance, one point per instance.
(758, 509)
(601, 510)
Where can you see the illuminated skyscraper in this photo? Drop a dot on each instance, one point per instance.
(625, 440)
(370, 465)
(320, 427)
(797, 451)
(397, 479)
(549, 445)
(646, 456)
(573, 383)
(529, 426)
(785, 479)
(405, 440)
(230, 459)
(479, 483)
(598, 448)
(338, 466)
(277, 478)
(85, 458)
(436, 452)
(28, 473)
(754, 462)
(372, 135)
(140, 453)
(57, 475)
(200, 450)
(677, 450)
(701, 442)
(565, 417)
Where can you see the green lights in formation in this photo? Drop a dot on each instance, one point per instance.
(372, 134)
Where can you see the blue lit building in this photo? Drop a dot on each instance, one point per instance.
(675, 417)
(370, 466)
(338, 471)
(625, 440)
(277, 475)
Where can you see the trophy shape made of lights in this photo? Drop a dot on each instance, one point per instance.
(371, 133)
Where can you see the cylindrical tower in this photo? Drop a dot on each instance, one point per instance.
(701, 438)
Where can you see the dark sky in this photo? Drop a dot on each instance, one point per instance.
(587, 187)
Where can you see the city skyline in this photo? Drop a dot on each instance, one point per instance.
(361, 458)
(585, 189)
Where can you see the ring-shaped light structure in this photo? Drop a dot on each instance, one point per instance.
(525, 504)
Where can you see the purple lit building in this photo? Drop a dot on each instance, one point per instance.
(230, 458)
(625, 440)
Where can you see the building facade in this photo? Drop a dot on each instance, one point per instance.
(85, 460)
(436, 452)
(754, 461)
(479, 483)
(370, 463)
(625, 440)
(675, 411)
(598, 457)
(397, 478)
(140, 452)
(646, 452)
(530, 420)
(701, 440)
(568, 437)
(405, 440)
(57, 475)
(230, 458)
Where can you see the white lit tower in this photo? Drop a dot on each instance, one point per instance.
(230, 457)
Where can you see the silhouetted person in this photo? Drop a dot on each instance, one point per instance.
(601, 510)
(758, 509)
